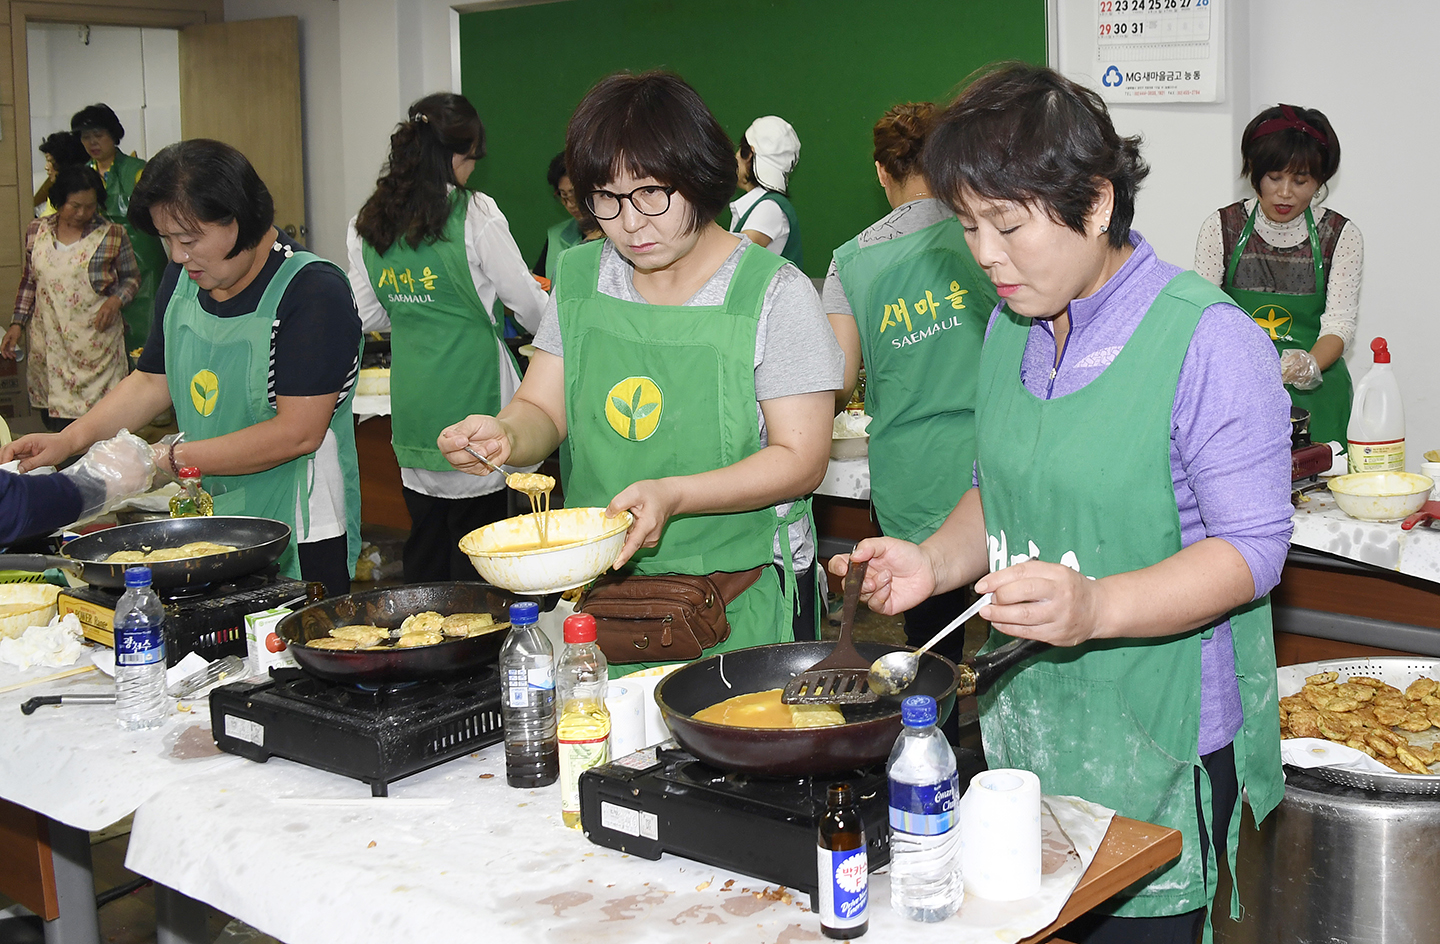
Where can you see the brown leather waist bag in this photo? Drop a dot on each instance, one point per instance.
(664, 617)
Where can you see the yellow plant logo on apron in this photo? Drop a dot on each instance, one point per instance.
(204, 392)
(1275, 320)
(633, 408)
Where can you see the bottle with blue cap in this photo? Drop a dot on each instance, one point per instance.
(527, 706)
(925, 881)
(140, 654)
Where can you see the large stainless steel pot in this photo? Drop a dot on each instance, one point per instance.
(1335, 863)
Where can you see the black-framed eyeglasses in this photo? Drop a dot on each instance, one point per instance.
(647, 201)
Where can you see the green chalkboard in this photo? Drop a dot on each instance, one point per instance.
(829, 67)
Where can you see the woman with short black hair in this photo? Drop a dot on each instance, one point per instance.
(1294, 265)
(79, 272)
(428, 258)
(1132, 507)
(61, 149)
(100, 133)
(257, 350)
(579, 228)
(716, 349)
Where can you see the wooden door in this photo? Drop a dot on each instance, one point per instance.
(240, 83)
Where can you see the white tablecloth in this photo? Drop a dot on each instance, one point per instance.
(74, 764)
(847, 478)
(1323, 527)
(454, 854)
(368, 406)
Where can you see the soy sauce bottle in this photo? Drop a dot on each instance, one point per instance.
(843, 866)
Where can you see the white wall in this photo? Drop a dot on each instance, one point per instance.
(135, 71)
(1374, 84)
(355, 90)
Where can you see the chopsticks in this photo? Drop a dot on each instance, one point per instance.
(79, 670)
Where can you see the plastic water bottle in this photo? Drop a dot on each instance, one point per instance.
(140, 654)
(527, 674)
(583, 731)
(925, 882)
(1377, 418)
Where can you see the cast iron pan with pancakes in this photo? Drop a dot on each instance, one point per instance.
(387, 609)
(258, 542)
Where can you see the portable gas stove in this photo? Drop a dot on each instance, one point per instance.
(378, 735)
(209, 620)
(662, 799)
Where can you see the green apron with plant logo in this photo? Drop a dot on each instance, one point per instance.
(559, 238)
(1115, 721)
(444, 345)
(120, 180)
(1293, 321)
(792, 242)
(666, 390)
(921, 303)
(218, 370)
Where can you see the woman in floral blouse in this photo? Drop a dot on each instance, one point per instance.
(79, 273)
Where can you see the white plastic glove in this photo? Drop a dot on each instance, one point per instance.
(112, 471)
(1299, 369)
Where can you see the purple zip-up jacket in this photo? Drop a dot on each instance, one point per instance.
(1229, 439)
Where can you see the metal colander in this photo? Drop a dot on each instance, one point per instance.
(1399, 671)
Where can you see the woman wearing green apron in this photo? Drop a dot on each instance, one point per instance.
(907, 301)
(572, 232)
(1132, 508)
(764, 161)
(1294, 266)
(690, 372)
(428, 259)
(100, 133)
(257, 351)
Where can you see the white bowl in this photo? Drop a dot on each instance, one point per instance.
(848, 436)
(584, 545)
(1380, 496)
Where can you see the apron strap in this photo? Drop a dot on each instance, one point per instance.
(1317, 260)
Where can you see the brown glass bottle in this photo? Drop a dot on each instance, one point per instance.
(842, 866)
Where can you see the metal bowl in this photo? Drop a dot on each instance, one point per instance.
(1381, 496)
(584, 545)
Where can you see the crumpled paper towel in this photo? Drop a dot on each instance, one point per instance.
(57, 643)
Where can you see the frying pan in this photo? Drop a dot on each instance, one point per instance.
(258, 542)
(869, 731)
(388, 609)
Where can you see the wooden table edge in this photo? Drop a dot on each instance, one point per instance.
(1130, 850)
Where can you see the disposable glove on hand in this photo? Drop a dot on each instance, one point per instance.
(1299, 370)
(112, 471)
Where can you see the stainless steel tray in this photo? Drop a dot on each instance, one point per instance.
(1394, 670)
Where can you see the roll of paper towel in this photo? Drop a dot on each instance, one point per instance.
(626, 705)
(1000, 835)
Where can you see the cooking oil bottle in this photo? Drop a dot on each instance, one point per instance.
(191, 501)
(583, 730)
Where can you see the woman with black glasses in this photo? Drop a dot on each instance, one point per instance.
(690, 371)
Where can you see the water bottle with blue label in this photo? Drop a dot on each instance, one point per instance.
(527, 707)
(140, 654)
(925, 881)
(843, 866)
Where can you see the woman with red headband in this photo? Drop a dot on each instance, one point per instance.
(1293, 266)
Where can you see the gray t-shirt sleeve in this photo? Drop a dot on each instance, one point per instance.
(796, 348)
(547, 336)
(833, 296)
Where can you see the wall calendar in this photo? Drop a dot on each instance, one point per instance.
(1151, 51)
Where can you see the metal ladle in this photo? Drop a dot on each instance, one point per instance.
(894, 672)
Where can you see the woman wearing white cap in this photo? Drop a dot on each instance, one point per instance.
(768, 153)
